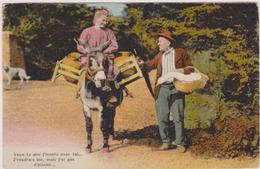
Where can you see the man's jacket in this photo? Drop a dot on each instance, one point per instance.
(181, 61)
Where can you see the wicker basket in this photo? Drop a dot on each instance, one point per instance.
(188, 87)
(129, 68)
(72, 60)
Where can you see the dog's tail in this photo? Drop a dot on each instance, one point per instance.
(28, 77)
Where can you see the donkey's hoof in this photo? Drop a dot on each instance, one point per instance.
(88, 149)
(105, 149)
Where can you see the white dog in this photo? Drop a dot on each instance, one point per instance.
(14, 72)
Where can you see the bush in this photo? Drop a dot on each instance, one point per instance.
(232, 137)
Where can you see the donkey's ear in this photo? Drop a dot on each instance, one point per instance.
(105, 45)
(83, 43)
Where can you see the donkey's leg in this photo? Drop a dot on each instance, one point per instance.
(111, 123)
(88, 120)
(89, 128)
(104, 124)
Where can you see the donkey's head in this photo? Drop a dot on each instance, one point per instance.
(97, 72)
(97, 51)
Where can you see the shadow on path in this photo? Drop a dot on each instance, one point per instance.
(147, 136)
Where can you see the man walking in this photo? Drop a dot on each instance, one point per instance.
(168, 99)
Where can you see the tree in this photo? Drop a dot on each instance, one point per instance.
(46, 32)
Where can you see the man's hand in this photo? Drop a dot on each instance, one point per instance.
(140, 62)
(188, 70)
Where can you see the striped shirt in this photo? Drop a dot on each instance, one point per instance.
(168, 65)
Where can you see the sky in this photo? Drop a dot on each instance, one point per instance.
(115, 8)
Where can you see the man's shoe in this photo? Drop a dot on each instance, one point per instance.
(181, 149)
(173, 145)
(165, 146)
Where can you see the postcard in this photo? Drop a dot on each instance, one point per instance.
(122, 85)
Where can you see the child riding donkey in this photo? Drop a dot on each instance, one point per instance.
(91, 39)
(95, 36)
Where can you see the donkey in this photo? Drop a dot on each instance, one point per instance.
(93, 97)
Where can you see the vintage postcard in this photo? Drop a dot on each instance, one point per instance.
(123, 85)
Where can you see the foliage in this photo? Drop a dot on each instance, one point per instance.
(202, 113)
(236, 136)
(46, 31)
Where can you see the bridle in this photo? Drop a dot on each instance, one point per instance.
(90, 74)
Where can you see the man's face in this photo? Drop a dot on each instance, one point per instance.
(102, 21)
(163, 43)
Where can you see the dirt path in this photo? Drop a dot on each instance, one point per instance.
(44, 120)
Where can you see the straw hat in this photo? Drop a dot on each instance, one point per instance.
(188, 87)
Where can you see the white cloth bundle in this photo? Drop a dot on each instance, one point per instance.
(170, 77)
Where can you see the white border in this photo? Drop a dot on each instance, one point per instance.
(90, 1)
(129, 1)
